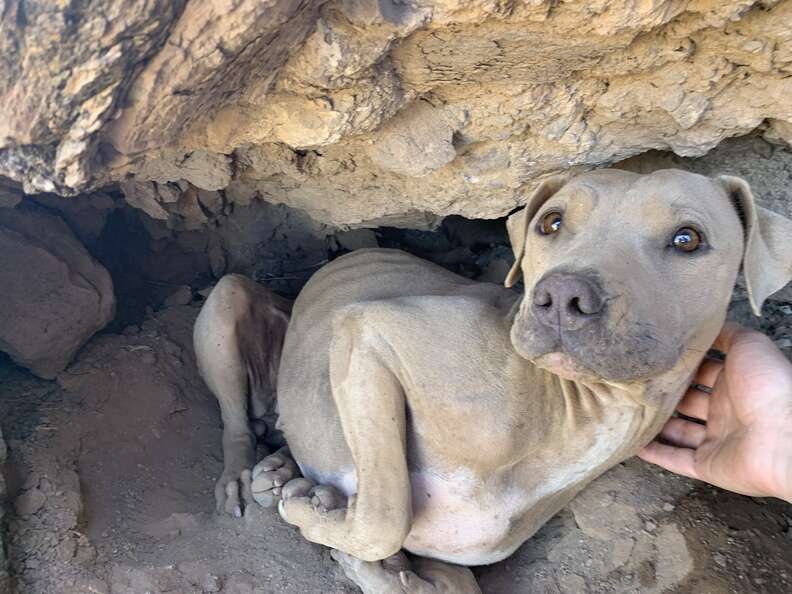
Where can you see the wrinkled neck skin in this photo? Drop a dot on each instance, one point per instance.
(614, 418)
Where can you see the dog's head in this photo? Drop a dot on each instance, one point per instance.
(624, 272)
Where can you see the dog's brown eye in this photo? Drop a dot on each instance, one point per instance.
(686, 239)
(550, 223)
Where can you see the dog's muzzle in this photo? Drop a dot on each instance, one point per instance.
(567, 302)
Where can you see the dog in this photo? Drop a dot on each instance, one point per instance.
(428, 413)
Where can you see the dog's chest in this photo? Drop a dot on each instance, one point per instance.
(474, 517)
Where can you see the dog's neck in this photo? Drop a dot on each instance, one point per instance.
(577, 412)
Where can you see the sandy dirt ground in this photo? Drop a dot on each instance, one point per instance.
(111, 472)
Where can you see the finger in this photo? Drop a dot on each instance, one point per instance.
(695, 404)
(682, 433)
(727, 336)
(708, 372)
(677, 460)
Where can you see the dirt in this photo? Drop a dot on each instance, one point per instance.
(111, 471)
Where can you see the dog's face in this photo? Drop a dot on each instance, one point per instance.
(625, 273)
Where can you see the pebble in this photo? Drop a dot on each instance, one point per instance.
(29, 502)
(32, 480)
(182, 296)
(719, 559)
(668, 507)
(650, 526)
(211, 583)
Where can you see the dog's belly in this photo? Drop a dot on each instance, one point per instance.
(461, 519)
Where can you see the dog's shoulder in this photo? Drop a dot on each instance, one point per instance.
(418, 321)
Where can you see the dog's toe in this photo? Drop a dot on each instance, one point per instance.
(270, 476)
(378, 576)
(232, 492)
(327, 497)
(298, 487)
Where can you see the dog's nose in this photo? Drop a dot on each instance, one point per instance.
(567, 301)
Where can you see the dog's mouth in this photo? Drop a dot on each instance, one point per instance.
(564, 366)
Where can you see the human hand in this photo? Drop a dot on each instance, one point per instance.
(745, 444)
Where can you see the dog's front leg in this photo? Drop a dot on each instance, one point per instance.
(371, 406)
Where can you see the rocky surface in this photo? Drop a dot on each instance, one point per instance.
(54, 296)
(365, 113)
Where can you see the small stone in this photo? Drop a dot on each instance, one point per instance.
(32, 480)
(668, 507)
(47, 486)
(786, 310)
(148, 358)
(719, 559)
(211, 583)
(650, 526)
(784, 343)
(206, 291)
(181, 296)
(172, 348)
(29, 502)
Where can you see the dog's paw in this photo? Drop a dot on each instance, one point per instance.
(270, 475)
(233, 492)
(304, 493)
(382, 577)
(320, 512)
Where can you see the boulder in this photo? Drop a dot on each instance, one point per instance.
(53, 295)
(358, 111)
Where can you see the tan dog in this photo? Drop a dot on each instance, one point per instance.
(457, 416)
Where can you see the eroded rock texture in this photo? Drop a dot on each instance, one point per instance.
(364, 112)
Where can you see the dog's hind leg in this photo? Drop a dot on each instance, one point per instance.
(238, 338)
(399, 575)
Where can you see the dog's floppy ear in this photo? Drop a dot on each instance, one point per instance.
(517, 224)
(767, 255)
